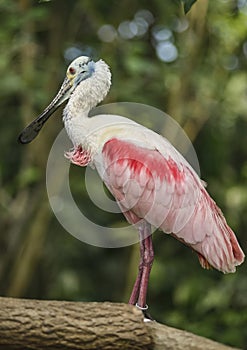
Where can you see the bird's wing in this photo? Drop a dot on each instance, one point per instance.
(161, 187)
(151, 185)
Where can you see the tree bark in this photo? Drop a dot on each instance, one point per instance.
(37, 324)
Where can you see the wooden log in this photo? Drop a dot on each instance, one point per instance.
(42, 324)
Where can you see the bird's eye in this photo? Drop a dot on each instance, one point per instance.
(72, 70)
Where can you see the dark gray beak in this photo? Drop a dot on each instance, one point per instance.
(32, 130)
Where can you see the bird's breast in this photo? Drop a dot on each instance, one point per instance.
(92, 133)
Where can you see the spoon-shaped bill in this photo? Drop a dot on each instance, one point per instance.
(32, 130)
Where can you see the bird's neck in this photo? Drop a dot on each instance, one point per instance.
(89, 93)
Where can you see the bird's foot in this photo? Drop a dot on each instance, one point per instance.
(147, 316)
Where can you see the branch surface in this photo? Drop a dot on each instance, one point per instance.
(42, 324)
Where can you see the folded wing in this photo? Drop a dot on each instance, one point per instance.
(163, 189)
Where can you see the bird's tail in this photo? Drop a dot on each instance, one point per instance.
(208, 233)
(220, 248)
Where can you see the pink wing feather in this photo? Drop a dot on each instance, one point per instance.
(170, 195)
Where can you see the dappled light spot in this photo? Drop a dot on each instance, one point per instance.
(107, 33)
(166, 51)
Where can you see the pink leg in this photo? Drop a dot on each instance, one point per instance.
(139, 292)
(136, 288)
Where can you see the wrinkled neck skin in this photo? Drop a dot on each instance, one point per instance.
(88, 93)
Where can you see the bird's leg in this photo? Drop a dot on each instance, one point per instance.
(138, 295)
(147, 266)
(136, 288)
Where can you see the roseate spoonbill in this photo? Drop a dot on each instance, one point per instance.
(151, 181)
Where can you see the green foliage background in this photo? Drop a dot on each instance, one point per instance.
(204, 88)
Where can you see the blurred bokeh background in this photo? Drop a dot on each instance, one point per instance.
(194, 67)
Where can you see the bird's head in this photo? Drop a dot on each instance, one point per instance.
(81, 69)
